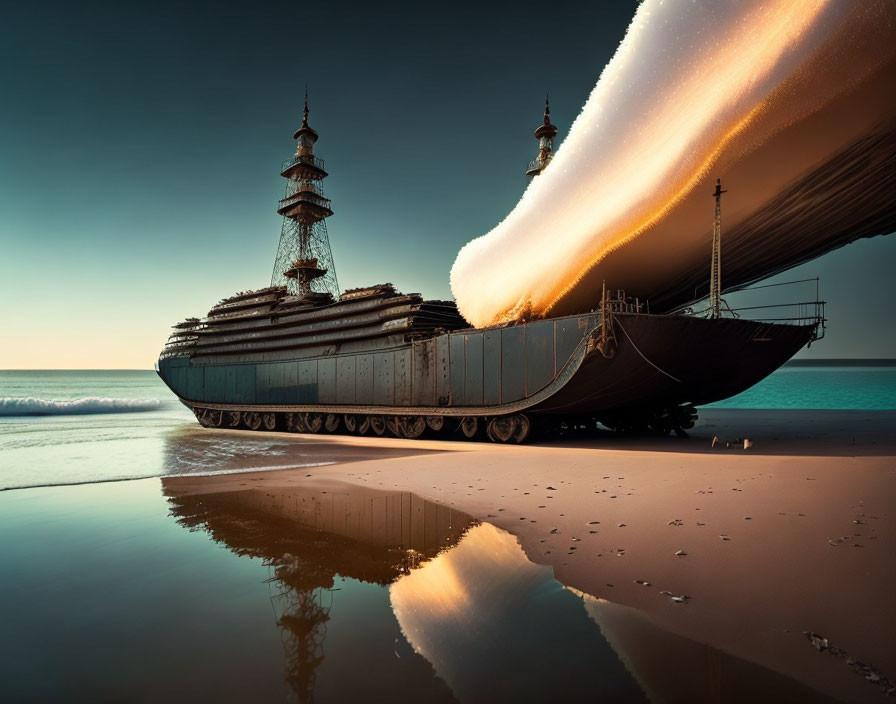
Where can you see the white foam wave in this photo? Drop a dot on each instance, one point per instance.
(248, 470)
(78, 406)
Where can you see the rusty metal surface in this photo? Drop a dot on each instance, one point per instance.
(364, 379)
(383, 378)
(539, 354)
(513, 363)
(442, 371)
(403, 377)
(346, 379)
(425, 372)
(326, 380)
(491, 367)
(567, 336)
(750, 351)
(310, 405)
(473, 369)
(268, 325)
(307, 389)
(462, 369)
(456, 368)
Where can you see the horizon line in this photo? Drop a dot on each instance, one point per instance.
(811, 360)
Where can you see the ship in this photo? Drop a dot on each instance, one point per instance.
(300, 356)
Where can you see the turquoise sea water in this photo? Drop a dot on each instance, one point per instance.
(60, 427)
(860, 388)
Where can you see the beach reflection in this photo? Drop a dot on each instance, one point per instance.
(199, 451)
(496, 626)
(310, 538)
(470, 618)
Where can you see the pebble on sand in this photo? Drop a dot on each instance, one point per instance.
(683, 599)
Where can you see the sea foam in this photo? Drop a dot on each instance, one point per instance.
(79, 406)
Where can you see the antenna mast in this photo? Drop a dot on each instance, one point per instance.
(715, 275)
(304, 262)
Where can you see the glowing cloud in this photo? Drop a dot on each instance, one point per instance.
(693, 86)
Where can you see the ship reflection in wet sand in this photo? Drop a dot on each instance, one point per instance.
(457, 612)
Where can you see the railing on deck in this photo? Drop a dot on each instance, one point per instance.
(305, 196)
(798, 313)
(303, 159)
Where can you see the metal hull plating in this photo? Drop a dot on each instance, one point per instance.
(543, 367)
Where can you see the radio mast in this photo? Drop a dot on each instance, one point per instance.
(304, 262)
(715, 274)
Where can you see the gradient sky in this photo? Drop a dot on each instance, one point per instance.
(140, 147)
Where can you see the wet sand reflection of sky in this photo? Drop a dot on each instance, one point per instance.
(212, 591)
(476, 617)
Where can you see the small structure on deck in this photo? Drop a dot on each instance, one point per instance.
(545, 135)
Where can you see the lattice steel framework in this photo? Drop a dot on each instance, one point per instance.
(304, 261)
(303, 241)
(304, 622)
(715, 274)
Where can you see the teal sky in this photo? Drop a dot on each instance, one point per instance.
(140, 147)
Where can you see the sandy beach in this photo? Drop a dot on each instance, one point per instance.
(795, 534)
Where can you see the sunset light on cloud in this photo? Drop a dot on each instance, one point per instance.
(683, 94)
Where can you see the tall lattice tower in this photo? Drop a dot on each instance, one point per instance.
(304, 262)
(715, 270)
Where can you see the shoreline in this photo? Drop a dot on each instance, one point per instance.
(788, 519)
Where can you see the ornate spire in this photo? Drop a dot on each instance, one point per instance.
(305, 129)
(305, 111)
(545, 135)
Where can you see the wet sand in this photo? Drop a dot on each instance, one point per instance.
(797, 533)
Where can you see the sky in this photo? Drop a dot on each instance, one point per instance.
(140, 147)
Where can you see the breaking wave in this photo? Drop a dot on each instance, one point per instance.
(763, 94)
(79, 406)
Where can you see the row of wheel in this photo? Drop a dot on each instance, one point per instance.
(513, 428)
(655, 421)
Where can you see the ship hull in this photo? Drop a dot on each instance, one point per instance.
(670, 360)
(538, 369)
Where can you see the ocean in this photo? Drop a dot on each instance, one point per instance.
(75, 427)
(823, 385)
(72, 427)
